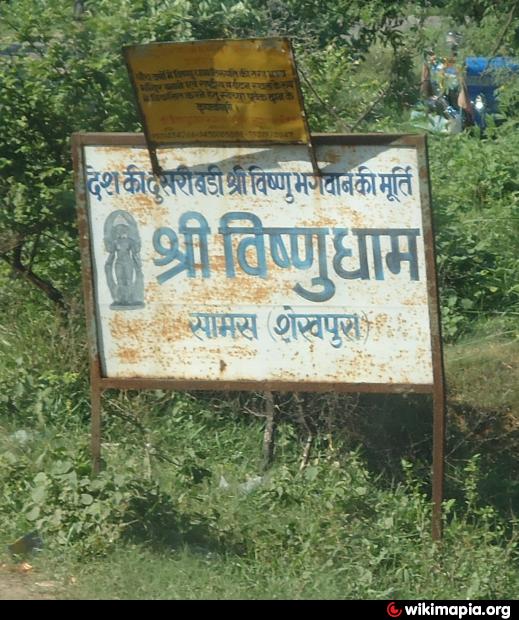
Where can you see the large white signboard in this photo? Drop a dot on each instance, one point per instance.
(238, 264)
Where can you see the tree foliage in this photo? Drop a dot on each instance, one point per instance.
(65, 73)
(62, 71)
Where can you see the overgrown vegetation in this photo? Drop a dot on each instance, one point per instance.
(345, 510)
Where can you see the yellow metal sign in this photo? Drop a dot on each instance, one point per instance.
(226, 91)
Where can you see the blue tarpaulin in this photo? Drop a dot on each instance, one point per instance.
(484, 75)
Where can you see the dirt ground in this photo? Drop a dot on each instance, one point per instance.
(17, 583)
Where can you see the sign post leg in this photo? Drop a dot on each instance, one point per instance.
(270, 428)
(95, 440)
(438, 461)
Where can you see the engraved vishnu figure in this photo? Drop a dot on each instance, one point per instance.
(123, 267)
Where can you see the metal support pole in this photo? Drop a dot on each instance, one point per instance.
(438, 460)
(269, 433)
(313, 159)
(95, 439)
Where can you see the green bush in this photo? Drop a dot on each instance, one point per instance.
(52, 491)
(476, 209)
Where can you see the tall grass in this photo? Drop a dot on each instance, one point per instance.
(183, 510)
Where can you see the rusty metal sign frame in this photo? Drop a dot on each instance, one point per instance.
(99, 383)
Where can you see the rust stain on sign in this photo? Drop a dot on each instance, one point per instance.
(127, 355)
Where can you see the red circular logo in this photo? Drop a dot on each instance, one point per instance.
(393, 611)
